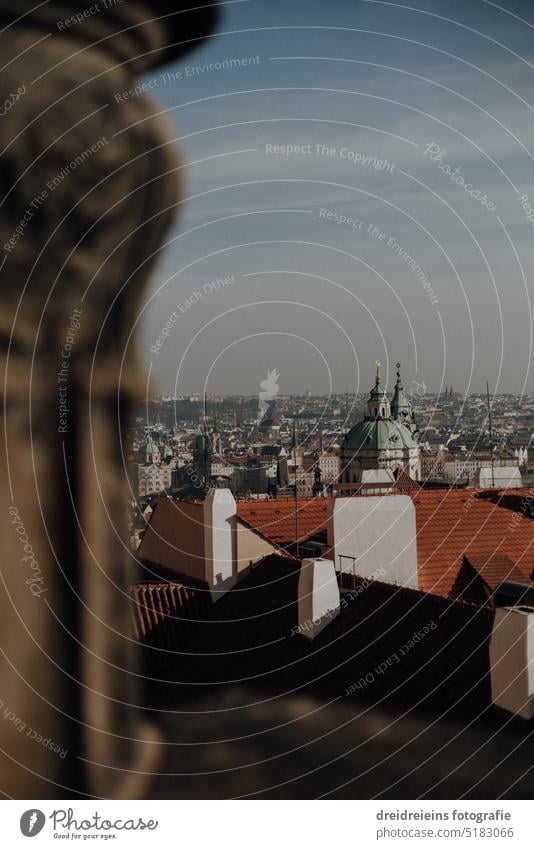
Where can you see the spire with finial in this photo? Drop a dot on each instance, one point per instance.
(401, 409)
(378, 404)
(205, 414)
(318, 486)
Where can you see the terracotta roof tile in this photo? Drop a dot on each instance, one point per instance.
(405, 484)
(275, 519)
(450, 524)
(163, 611)
(495, 567)
(453, 523)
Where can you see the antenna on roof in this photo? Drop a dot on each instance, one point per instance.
(491, 437)
(295, 476)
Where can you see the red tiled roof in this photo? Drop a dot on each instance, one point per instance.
(494, 568)
(405, 484)
(450, 523)
(275, 519)
(166, 609)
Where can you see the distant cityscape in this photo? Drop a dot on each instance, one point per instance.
(324, 513)
(299, 445)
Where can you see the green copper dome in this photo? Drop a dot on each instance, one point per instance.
(149, 447)
(378, 435)
(383, 428)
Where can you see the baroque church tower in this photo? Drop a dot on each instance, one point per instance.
(387, 438)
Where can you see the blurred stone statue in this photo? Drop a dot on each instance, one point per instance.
(89, 187)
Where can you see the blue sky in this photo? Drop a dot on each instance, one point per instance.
(349, 85)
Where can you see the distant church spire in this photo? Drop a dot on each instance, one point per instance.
(378, 404)
(205, 413)
(318, 486)
(401, 408)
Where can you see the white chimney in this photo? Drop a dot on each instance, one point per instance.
(375, 537)
(318, 597)
(220, 513)
(512, 661)
(377, 476)
(500, 477)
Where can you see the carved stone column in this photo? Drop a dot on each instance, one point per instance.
(89, 186)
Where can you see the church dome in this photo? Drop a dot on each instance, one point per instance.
(149, 450)
(150, 447)
(378, 435)
(385, 439)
